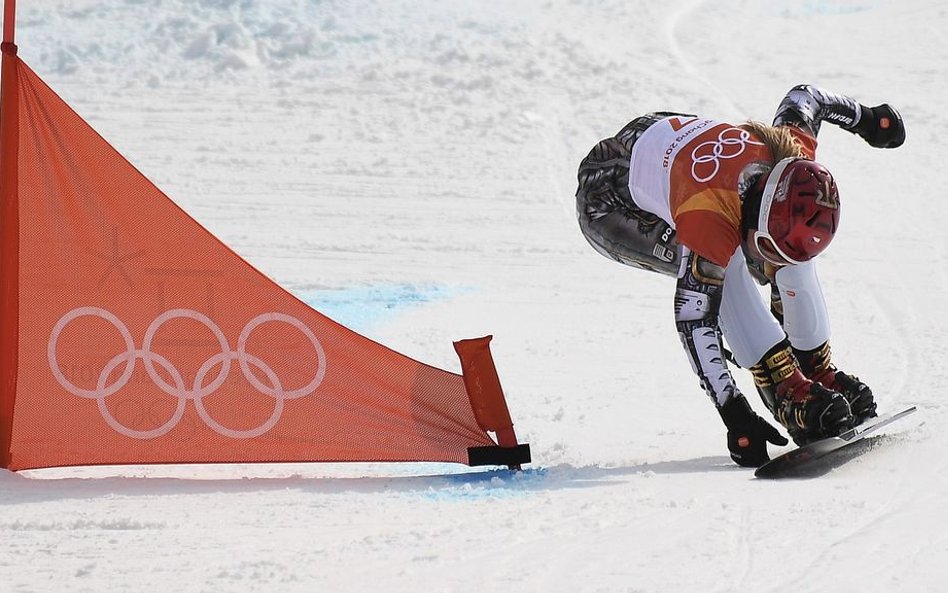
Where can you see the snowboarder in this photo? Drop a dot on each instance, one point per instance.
(717, 206)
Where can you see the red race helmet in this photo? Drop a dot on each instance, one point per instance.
(799, 212)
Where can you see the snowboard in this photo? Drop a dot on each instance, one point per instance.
(819, 457)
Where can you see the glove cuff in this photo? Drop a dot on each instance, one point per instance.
(866, 126)
(737, 413)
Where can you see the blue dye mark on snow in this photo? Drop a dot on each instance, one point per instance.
(494, 484)
(364, 308)
(824, 7)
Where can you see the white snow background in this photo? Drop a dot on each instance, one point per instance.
(408, 166)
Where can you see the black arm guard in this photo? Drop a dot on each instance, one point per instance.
(807, 106)
(697, 303)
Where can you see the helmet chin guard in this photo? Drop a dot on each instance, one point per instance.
(799, 212)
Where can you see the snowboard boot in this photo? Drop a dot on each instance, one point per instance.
(811, 412)
(816, 365)
(808, 410)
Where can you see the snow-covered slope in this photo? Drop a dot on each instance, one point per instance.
(418, 158)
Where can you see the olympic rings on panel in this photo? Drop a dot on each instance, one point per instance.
(714, 151)
(176, 388)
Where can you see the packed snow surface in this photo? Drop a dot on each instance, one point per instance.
(418, 158)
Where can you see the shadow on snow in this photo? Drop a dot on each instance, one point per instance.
(17, 488)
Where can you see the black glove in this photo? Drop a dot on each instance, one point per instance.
(881, 126)
(748, 433)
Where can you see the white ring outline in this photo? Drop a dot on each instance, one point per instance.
(180, 391)
(200, 318)
(717, 152)
(112, 421)
(242, 350)
(54, 361)
(231, 432)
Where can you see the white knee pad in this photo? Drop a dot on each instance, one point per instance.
(745, 320)
(804, 309)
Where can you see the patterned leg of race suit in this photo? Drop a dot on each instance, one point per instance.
(608, 216)
(698, 295)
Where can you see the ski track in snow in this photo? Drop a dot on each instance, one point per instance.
(386, 152)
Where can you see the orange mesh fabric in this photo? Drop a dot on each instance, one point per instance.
(144, 339)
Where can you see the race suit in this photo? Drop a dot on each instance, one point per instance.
(666, 194)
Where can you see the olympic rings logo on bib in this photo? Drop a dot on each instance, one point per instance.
(177, 388)
(714, 151)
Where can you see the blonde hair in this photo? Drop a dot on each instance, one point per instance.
(779, 140)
